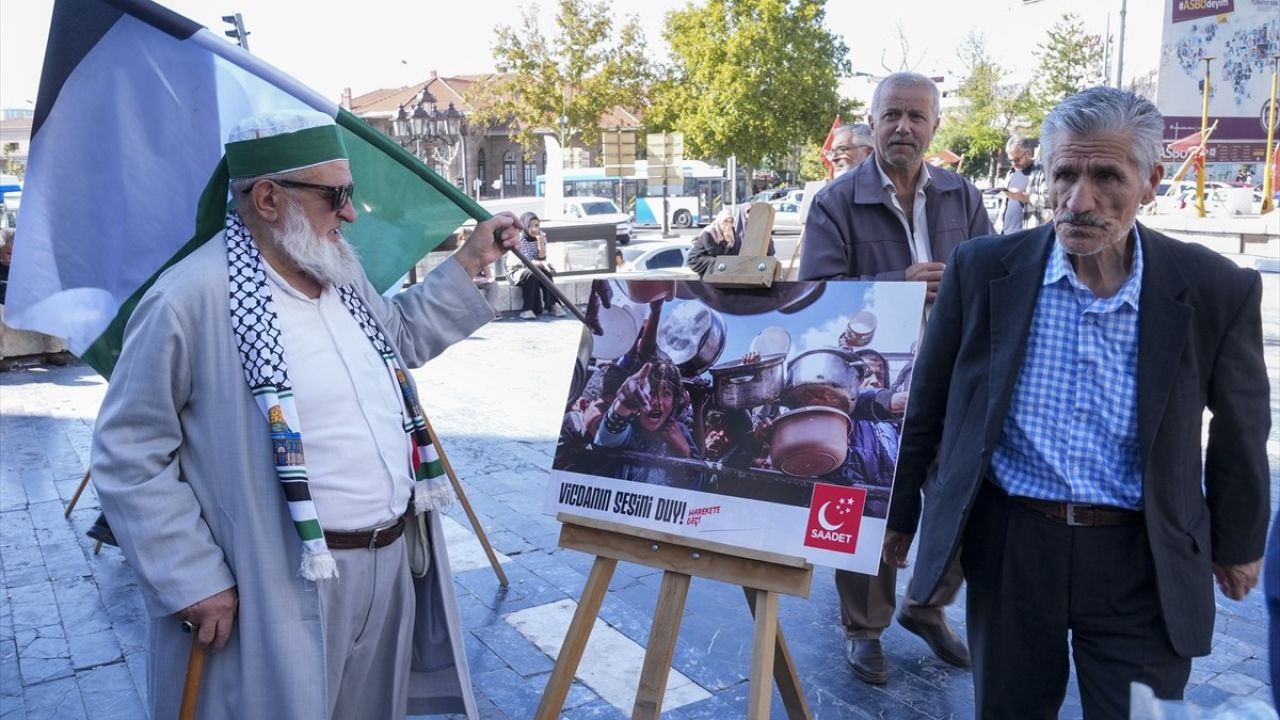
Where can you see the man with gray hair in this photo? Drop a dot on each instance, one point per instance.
(850, 145)
(305, 566)
(893, 218)
(1060, 389)
(1024, 188)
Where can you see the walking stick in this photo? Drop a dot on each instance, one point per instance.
(191, 686)
(545, 280)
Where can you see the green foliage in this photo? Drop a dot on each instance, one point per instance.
(979, 129)
(586, 70)
(1070, 61)
(751, 78)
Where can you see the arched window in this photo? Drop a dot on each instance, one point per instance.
(509, 178)
(530, 177)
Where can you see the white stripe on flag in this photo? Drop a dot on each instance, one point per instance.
(117, 169)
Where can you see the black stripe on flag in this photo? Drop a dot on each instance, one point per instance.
(296, 490)
(76, 27)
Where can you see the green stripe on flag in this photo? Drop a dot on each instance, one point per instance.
(405, 209)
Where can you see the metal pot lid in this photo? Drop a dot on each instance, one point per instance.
(844, 355)
(763, 363)
(620, 333)
(771, 341)
(683, 331)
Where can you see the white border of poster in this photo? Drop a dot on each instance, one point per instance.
(706, 491)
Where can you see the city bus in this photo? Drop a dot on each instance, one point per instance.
(693, 204)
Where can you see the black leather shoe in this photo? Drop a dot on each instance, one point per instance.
(101, 532)
(867, 660)
(944, 641)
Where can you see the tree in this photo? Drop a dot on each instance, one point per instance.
(979, 128)
(1070, 61)
(751, 78)
(587, 70)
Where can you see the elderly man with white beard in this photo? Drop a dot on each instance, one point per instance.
(295, 568)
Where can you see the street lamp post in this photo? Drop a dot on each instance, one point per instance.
(428, 129)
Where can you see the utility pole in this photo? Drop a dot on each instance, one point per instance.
(1120, 48)
(237, 30)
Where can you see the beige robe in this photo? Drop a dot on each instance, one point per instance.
(182, 464)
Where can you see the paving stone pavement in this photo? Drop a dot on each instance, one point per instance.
(72, 628)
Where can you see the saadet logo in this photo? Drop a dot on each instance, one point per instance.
(835, 513)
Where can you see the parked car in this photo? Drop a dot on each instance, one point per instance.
(774, 194)
(601, 210)
(668, 256)
(786, 217)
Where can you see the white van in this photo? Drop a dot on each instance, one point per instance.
(598, 209)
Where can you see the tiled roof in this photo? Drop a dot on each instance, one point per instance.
(385, 102)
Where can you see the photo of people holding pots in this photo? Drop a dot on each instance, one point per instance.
(759, 395)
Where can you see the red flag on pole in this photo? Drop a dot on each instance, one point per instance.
(826, 148)
(1186, 144)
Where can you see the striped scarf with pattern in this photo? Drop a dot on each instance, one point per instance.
(258, 338)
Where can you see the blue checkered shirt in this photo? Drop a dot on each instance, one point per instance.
(1071, 434)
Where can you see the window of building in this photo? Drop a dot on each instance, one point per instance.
(509, 169)
(530, 177)
(480, 173)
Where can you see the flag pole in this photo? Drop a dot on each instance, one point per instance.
(1204, 126)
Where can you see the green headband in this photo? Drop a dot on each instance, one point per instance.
(281, 153)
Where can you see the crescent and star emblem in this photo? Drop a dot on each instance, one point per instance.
(822, 519)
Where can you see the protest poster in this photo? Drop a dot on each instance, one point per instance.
(765, 419)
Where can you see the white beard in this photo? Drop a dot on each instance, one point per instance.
(329, 262)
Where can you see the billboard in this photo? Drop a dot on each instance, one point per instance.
(1240, 36)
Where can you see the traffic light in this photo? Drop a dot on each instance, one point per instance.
(237, 30)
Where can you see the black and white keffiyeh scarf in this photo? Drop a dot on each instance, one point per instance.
(258, 337)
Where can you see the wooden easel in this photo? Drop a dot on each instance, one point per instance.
(752, 267)
(762, 575)
(448, 469)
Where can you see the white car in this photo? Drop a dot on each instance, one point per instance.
(598, 209)
(786, 217)
(668, 257)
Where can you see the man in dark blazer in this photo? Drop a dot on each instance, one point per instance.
(893, 217)
(1060, 388)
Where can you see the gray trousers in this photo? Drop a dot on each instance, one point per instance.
(867, 601)
(368, 625)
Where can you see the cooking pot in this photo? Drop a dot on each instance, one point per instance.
(692, 335)
(647, 291)
(739, 385)
(825, 376)
(620, 333)
(785, 297)
(810, 441)
(861, 329)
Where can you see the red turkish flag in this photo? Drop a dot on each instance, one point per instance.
(826, 148)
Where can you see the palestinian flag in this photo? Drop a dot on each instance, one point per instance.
(134, 105)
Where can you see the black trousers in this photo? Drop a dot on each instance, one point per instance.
(1036, 584)
(536, 297)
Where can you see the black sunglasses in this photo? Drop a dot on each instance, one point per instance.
(338, 195)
